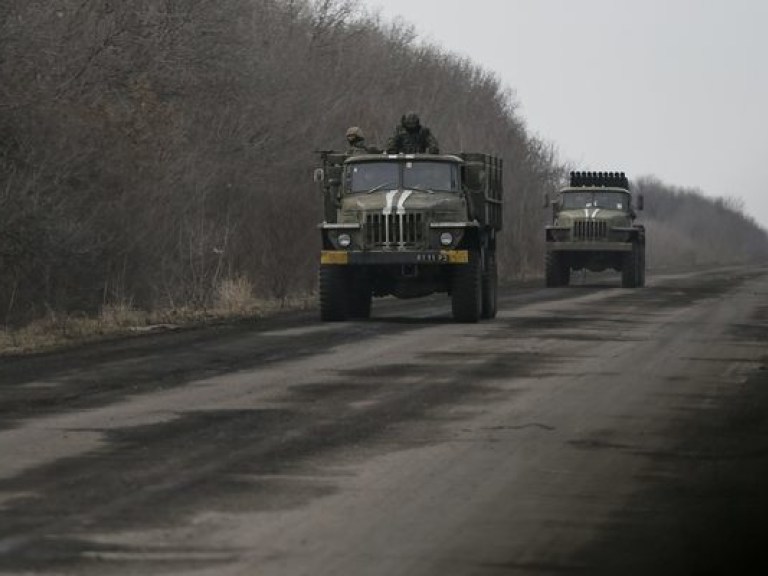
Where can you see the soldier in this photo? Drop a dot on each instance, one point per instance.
(412, 138)
(356, 141)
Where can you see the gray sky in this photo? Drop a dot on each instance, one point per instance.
(672, 88)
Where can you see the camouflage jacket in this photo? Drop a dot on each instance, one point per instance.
(415, 142)
(358, 147)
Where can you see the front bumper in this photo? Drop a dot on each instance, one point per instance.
(393, 257)
(589, 246)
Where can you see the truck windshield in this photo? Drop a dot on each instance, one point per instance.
(372, 176)
(606, 200)
(429, 176)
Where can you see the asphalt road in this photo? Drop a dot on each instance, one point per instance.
(587, 430)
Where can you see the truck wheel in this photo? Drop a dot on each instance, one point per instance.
(466, 290)
(630, 268)
(551, 268)
(360, 298)
(334, 293)
(558, 270)
(489, 295)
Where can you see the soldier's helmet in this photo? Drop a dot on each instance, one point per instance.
(354, 133)
(411, 121)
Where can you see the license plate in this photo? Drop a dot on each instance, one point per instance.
(436, 258)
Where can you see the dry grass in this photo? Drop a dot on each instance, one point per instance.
(234, 299)
(234, 296)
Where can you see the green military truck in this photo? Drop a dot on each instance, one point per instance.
(593, 229)
(409, 225)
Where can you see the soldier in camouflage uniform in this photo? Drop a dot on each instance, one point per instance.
(356, 141)
(412, 138)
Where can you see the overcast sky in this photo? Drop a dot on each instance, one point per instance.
(677, 89)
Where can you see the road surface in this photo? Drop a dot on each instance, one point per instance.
(587, 430)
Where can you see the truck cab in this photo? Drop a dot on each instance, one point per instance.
(593, 229)
(408, 225)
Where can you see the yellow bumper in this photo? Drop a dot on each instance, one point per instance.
(383, 257)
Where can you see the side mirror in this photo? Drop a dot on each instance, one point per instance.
(640, 202)
(318, 175)
(546, 200)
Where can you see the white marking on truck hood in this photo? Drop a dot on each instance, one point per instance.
(390, 201)
(401, 203)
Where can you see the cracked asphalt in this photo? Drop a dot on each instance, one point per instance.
(588, 430)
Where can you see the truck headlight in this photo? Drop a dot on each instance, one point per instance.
(446, 238)
(344, 240)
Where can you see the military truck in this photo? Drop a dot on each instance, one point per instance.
(593, 229)
(409, 225)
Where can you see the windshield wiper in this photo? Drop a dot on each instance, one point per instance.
(420, 189)
(379, 187)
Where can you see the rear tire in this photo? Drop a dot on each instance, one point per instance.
(466, 290)
(334, 293)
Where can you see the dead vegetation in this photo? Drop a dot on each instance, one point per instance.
(156, 157)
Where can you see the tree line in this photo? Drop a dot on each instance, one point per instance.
(152, 150)
(686, 228)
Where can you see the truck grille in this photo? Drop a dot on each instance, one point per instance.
(394, 229)
(590, 230)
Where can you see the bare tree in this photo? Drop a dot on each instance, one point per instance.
(150, 150)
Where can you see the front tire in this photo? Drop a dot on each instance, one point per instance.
(558, 270)
(630, 268)
(466, 290)
(489, 289)
(361, 295)
(334, 293)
